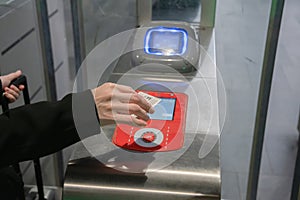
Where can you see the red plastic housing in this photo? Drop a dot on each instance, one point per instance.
(168, 134)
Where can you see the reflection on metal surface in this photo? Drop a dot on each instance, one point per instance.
(93, 187)
(162, 79)
(186, 173)
(185, 178)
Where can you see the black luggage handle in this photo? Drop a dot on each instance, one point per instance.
(21, 80)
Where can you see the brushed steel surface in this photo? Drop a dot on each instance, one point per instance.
(187, 178)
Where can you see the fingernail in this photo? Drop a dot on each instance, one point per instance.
(151, 110)
(144, 124)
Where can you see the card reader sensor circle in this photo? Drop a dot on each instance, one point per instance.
(148, 137)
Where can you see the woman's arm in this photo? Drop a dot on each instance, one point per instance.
(43, 128)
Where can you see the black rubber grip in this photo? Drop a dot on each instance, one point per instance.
(21, 80)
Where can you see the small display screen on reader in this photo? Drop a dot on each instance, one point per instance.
(166, 41)
(164, 110)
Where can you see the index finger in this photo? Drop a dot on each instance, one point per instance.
(138, 99)
(125, 89)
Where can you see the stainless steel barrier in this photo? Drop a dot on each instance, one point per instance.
(100, 170)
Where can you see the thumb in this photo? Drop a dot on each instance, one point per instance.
(9, 77)
(14, 75)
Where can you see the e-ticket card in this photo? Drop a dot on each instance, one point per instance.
(150, 99)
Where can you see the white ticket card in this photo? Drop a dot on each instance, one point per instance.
(150, 99)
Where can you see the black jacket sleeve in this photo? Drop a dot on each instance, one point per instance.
(1, 92)
(43, 128)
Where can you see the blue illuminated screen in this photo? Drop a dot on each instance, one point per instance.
(166, 41)
(164, 110)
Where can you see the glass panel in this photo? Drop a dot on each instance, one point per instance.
(241, 29)
(6, 5)
(103, 19)
(179, 10)
(281, 135)
(5, 2)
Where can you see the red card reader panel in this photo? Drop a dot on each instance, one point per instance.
(164, 130)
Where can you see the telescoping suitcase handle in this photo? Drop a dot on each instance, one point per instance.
(21, 80)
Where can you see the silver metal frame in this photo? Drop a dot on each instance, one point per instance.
(46, 47)
(264, 95)
(208, 13)
(78, 32)
(78, 41)
(49, 72)
(144, 11)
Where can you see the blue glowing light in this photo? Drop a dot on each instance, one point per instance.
(165, 41)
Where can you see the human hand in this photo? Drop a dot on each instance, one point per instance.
(12, 92)
(118, 104)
